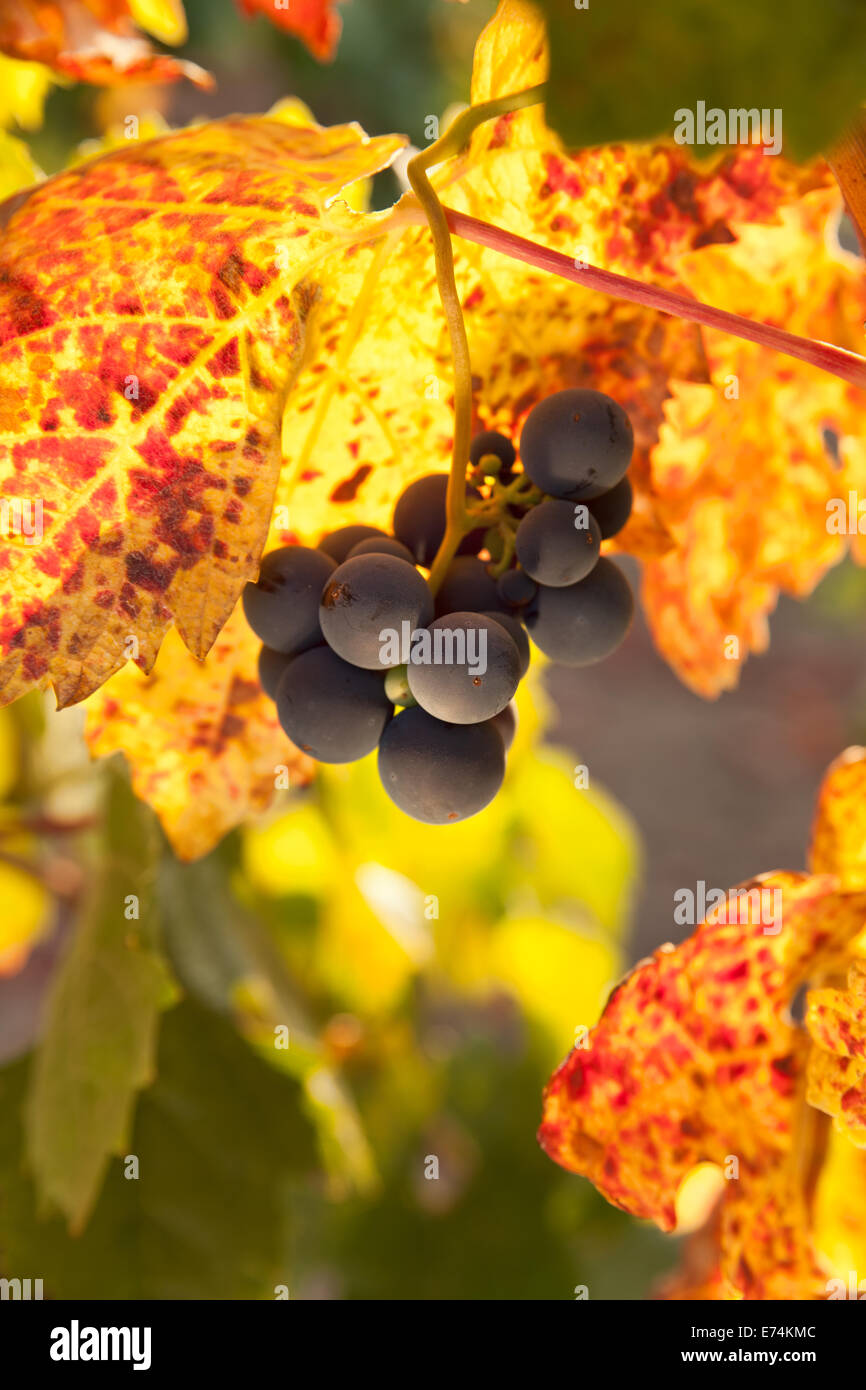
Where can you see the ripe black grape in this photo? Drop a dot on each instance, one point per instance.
(337, 544)
(517, 632)
(516, 588)
(554, 546)
(467, 588)
(282, 607)
(470, 671)
(419, 519)
(505, 724)
(584, 622)
(437, 772)
(271, 666)
(331, 710)
(367, 599)
(576, 444)
(492, 442)
(613, 509)
(381, 545)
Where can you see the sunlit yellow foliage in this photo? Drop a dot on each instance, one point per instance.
(510, 899)
(23, 89)
(24, 902)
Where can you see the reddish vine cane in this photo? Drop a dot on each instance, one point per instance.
(444, 221)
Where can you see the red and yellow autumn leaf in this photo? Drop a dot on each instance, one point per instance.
(316, 22)
(696, 1060)
(98, 41)
(153, 311)
(839, 830)
(836, 1019)
(221, 749)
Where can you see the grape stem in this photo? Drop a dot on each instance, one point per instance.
(509, 534)
(829, 358)
(451, 143)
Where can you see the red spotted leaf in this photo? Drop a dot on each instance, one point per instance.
(696, 1059)
(836, 1019)
(153, 314)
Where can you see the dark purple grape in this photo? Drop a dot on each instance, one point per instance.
(467, 671)
(576, 444)
(440, 773)
(467, 588)
(365, 604)
(516, 588)
(585, 622)
(271, 666)
(282, 607)
(382, 545)
(613, 509)
(492, 442)
(505, 724)
(517, 632)
(337, 544)
(331, 710)
(558, 543)
(419, 519)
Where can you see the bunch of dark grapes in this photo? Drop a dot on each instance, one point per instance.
(358, 653)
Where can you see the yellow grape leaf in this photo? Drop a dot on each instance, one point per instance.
(694, 1060)
(836, 1019)
(23, 89)
(840, 1233)
(165, 19)
(10, 753)
(26, 907)
(839, 829)
(837, 1224)
(371, 939)
(203, 742)
(291, 853)
(152, 315)
(741, 476)
(558, 972)
(26, 901)
(363, 946)
(114, 137)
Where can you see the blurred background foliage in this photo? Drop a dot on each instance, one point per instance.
(426, 981)
(429, 979)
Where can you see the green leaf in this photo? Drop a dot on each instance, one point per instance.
(620, 70)
(98, 1047)
(222, 954)
(219, 1139)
